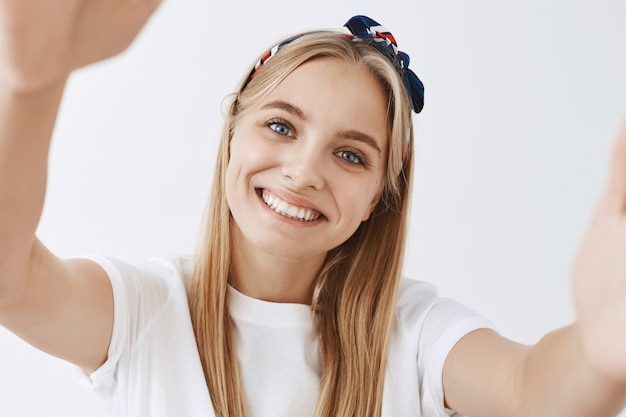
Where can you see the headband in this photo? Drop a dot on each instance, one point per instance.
(364, 29)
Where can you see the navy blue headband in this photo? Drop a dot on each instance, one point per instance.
(362, 28)
(365, 29)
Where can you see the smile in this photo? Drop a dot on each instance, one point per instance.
(289, 210)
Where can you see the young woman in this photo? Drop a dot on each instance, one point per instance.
(294, 304)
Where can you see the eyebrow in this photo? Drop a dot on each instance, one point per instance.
(288, 107)
(361, 137)
(348, 134)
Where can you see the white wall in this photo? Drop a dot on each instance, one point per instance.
(523, 98)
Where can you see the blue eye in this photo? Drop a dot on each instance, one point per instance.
(279, 128)
(350, 157)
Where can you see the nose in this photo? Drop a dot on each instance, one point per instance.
(304, 168)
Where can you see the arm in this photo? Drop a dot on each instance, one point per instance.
(63, 307)
(487, 375)
(578, 371)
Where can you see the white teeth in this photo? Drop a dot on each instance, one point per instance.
(292, 211)
(286, 209)
(282, 207)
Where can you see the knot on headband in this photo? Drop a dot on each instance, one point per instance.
(363, 28)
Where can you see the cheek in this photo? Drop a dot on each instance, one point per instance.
(238, 161)
(361, 201)
(248, 150)
(234, 169)
(230, 184)
(248, 157)
(372, 199)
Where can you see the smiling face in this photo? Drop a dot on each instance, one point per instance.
(307, 162)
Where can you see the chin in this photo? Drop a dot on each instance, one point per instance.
(287, 252)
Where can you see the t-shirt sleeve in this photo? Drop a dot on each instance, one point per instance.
(435, 325)
(139, 293)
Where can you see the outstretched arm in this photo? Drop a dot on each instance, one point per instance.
(61, 307)
(599, 279)
(578, 371)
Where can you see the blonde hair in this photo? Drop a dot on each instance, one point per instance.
(354, 297)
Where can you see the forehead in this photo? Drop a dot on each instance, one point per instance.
(336, 93)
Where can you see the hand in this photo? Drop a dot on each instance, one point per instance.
(42, 41)
(599, 275)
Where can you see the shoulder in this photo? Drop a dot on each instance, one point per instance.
(144, 292)
(153, 280)
(426, 328)
(420, 309)
(415, 298)
(411, 290)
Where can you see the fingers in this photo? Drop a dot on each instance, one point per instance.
(615, 197)
(148, 6)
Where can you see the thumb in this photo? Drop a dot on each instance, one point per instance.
(615, 195)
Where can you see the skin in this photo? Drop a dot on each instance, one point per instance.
(576, 371)
(318, 142)
(64, 307)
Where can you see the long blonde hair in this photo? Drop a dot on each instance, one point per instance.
(354, 297)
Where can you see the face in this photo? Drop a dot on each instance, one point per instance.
(307, 162)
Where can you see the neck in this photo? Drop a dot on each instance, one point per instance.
(270, 278)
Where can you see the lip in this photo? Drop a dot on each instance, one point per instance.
(292, 200)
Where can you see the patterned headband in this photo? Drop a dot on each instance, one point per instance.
(362, 28)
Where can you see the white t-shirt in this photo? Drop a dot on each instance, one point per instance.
(154, 370)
